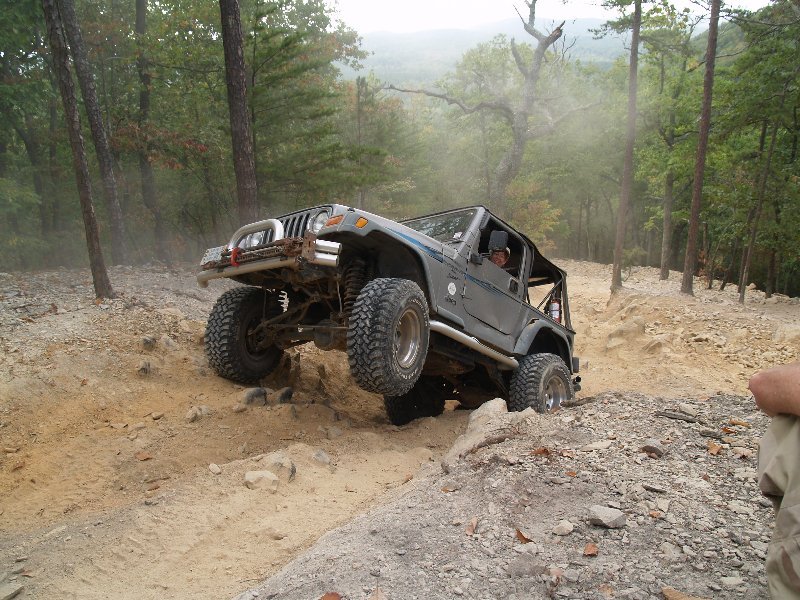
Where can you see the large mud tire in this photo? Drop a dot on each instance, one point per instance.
(231, 347)
(425, 399)
(541, 382)
(387, 341)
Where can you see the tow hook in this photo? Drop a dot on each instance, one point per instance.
(576, 383)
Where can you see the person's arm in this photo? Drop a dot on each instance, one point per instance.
(777, 390)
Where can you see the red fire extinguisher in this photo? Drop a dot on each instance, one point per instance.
(554, 308)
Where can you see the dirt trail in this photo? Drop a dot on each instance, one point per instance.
(106, 487)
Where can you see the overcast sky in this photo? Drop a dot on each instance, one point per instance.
(366, 16)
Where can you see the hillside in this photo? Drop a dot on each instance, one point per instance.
(424, 57)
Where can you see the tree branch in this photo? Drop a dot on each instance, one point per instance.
(528, 25)
(523, 68)
(553, 123)
(501, 107)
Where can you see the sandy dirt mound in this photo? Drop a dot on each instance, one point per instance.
(110, 420)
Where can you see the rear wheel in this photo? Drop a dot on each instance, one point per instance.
(235, 349)
(387, 341)
(425, 399)
(541, 382)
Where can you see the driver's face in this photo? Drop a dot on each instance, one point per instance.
(499, 258)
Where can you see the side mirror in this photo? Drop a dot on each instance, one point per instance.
(476, 259)
(498, 240)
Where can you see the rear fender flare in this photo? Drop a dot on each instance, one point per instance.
(541, 336)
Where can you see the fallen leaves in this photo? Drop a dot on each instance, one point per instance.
(522, 537)
(142, 456)
(541, 451)
(673, 594)
(713, 448)
(739, 422)
(590, 549)
(331, 596)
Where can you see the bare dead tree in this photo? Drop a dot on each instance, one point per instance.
(518, 115)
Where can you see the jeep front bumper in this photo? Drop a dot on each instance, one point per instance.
(232, 260)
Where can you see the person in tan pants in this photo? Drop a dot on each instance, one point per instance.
(777, 393)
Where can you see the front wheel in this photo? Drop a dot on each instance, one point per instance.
(387, 340)
(541, 382)
(235, 348)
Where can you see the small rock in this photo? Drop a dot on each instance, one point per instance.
(239, 408)
(653, 447)
(606, 517)
(261, 480)
(144, 368)
(333, 432)
(148, 343)
(280, 464)
(168, 343)
(688, 409)
(322, 457)
(654, 488)
(157, 416)
(731, 582)
(256, 396)
(214, 468)
(524, 566)
(281, 396)
(196, 412)
(563, 528)
(10, 590)
(601, 445)
(274, 534)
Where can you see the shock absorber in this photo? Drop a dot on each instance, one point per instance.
(355, 278)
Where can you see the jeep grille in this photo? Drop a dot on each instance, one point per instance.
(294, 225)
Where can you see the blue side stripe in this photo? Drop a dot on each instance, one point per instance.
(485, 285)
(426, 249)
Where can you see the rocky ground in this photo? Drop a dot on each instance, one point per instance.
(124, 460)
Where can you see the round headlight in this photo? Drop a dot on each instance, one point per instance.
(252, 240)
(319, 220)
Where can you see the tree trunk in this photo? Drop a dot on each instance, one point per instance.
(690, 260)
(761, 193)
(58, 47)
(146, 175)
(630, 141)
(241, 130)
(119, 250)
(53, 167)
(666, 236)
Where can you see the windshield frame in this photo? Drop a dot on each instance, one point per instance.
(462, 220)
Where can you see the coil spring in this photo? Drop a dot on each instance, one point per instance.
(355, 278)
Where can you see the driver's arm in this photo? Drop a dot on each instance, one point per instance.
(777, 390)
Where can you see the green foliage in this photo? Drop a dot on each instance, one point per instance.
(320, 137)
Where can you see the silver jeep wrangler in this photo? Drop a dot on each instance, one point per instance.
(423, 308)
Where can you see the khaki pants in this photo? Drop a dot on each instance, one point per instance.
(779, 478)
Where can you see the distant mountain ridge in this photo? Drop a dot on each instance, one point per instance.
(423, 57)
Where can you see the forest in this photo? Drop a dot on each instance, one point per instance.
(519, 124)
